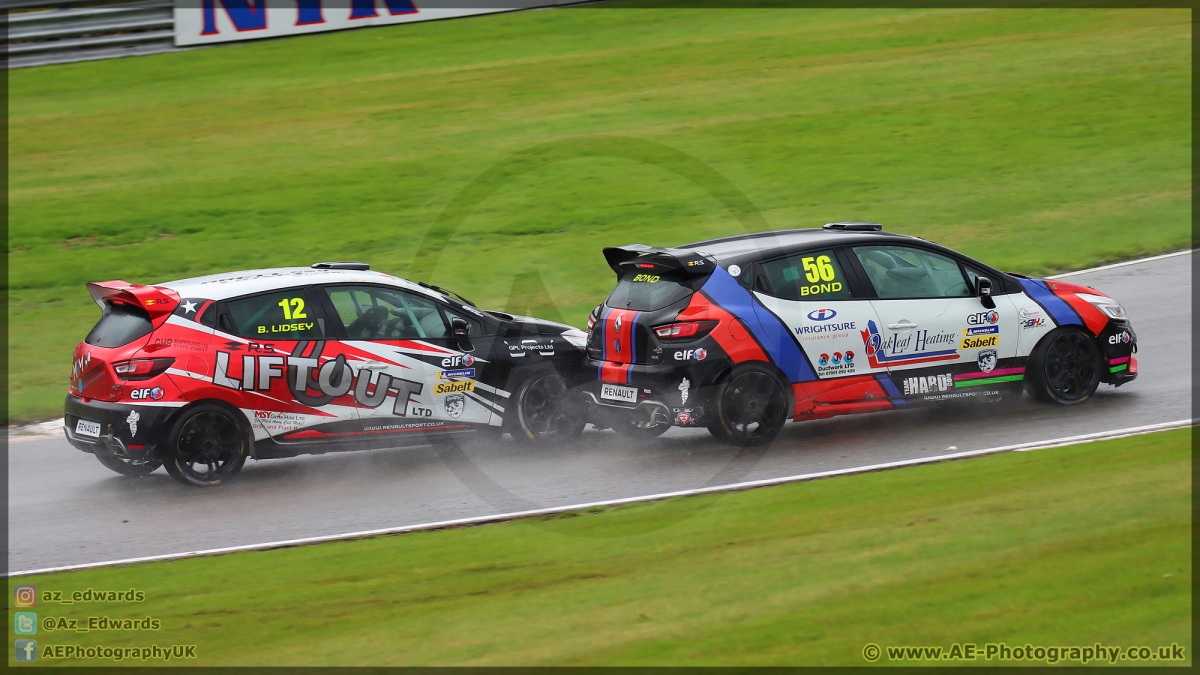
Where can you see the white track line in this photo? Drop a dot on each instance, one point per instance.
(1121, 264)
(734, 487)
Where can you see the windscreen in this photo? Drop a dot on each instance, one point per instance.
(648, 290)
(120, 325)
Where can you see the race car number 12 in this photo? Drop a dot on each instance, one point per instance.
(820, 270)
(293, 308)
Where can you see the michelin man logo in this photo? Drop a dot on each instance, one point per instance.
(455, 404)
(683, 390)
(132, 421)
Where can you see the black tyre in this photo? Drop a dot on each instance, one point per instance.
(1064, 368)
(545, 410)
(206, 446)
(126, 467)
(751, 407)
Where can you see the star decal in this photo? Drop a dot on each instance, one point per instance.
(189, 307)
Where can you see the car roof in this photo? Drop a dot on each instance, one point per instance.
(234, 284)
(752, 245)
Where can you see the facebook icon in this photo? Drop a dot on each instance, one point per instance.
(26, 650)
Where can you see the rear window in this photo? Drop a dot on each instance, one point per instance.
(284, 315)
(647, 290)
(814, 275)
(120, 325)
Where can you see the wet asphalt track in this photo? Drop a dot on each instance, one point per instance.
(65, 508)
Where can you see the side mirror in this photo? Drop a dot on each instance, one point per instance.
(460, 329)
(984, 286)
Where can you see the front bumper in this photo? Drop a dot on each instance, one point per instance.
(1119, 344)
(130, 432)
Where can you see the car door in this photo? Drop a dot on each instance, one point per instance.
(292, 379)
(813, 296)
(935, 336)
(418, 380)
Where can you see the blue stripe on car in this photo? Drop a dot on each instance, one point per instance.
(1059, 310)
(890, 388)
(776, 339)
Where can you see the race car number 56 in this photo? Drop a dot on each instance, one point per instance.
(86, 428)
(615, 393)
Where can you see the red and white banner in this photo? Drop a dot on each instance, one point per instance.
(199, 22)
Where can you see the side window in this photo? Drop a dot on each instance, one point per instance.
(476, 327)
(380, 313)
(902, 272)
(972, 275)
(283, 315)
(813, 275)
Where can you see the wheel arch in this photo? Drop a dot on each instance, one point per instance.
(169, 422)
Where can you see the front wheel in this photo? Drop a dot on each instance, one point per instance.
(127, 467)
(1064, 368)
(751, 407)
(547, 411)
(206, 445)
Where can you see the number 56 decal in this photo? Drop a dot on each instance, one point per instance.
(820, 270)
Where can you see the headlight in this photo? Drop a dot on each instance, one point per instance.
(576, 337)
(1111, 308)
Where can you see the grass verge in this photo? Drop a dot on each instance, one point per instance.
(1071, 546)
(1037, 140)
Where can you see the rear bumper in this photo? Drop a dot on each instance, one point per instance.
(127, 431)
(666, 394)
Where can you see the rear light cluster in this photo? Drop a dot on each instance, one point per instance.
(684, 330)
(593, 317)
(141, 369)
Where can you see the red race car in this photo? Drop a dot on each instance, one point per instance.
(200, 374)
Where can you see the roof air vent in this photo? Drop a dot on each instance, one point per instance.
(341, 266)
(854, 227)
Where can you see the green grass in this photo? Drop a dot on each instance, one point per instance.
(1070, 546)
(1037, 140)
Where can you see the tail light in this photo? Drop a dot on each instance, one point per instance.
(141, 369)
(684, 330)
(593, 318)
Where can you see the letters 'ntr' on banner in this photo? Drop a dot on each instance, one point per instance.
(199, 22)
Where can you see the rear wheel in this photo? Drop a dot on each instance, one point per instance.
(751, 407)
(127, 467)
(546, 410)
(1064, 368)
(206, 445)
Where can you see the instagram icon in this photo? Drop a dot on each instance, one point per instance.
(25, 596)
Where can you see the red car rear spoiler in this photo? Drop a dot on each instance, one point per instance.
(157, 301)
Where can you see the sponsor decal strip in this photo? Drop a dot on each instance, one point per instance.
(988, 380)
(732, 487)
(995, 373)
(1117, 369)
